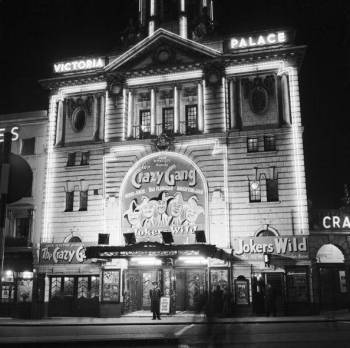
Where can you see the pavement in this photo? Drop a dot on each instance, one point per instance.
(145, 318)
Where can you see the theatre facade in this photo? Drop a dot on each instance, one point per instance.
(177, 160)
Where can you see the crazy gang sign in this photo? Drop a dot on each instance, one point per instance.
(163, 193)
(55, 253)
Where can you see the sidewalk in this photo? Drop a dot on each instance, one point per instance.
(144, 318)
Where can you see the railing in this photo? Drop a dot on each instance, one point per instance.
(142, 132)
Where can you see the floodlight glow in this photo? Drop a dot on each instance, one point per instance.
(198, 260)
(27, 275)
(146, 261)
(83, 88)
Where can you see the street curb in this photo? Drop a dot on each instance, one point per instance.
(187, 322)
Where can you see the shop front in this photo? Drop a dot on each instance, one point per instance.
(183, 273)
(277, 262)
(68, 285)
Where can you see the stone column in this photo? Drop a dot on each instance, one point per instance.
(59, 124)
(102, 117)
(200, 107)
(153, 112)
(176, 111)
(183, 19)
(152, 14)
(285, 99)
(233, 112)
(95, 117)
(130, 114)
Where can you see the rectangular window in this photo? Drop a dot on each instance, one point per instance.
(85, 156)
(191, 119)
(254, 191)
(22, 228)
(168, 120)
(269, 143)
(252, 145)
(103, 238)
(145, 123)
(69, 201)
(272, 190)
(71, 159)
(28, 146)
(83, 200)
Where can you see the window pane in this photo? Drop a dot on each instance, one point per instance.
(71, 159)
(69, 201)
(145, 120)
(272, 190)
(56, 286)
(28, 146)
(255, 191)
(168, 119)
(95, 286)
(191, 117)
(83, 200)
(85, 158)
(252, 145)
(68, 286)
(22, 228)
(269, 143)
(83, 287)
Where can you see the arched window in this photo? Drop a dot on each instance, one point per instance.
(329, 253)
(74, 239)
(267, 231)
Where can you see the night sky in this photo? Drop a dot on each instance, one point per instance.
(34, 34)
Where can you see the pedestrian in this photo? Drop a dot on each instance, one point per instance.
(227, 298)
(155, 295)
(217, 300)
(270, 300)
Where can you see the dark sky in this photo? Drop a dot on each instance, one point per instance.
(36, 33)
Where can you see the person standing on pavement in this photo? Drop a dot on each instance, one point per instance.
(270, 300)
(155, 295)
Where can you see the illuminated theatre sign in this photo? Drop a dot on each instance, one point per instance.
(259, 40)
(282, 245)
(163, 193)
(13, 130)
(61, 253)
(77, 65)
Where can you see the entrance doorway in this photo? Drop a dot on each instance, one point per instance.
(138, 283)
(277, 282)
(190, 289)
(333, 287)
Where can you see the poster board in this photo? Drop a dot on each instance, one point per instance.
(165, 305)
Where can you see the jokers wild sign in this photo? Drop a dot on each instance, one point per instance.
(163, 193)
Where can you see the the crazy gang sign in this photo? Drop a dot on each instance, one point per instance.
(164, 193)
(52, 253)
(284, 246)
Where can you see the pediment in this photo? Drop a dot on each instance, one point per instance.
(162, 49)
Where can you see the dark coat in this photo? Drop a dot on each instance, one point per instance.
(155, 295)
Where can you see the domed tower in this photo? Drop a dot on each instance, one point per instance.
(187, 18)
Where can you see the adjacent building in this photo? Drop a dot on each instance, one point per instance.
(24, 216)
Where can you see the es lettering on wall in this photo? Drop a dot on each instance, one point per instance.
(53, 253)
(286, 246)
(259, 40)
(77, 65)
(13, 130)
(163, 193)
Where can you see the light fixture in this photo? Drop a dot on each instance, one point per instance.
(27, 275)
(198, 260)
(146, 261)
